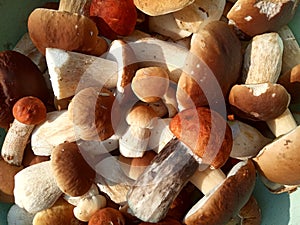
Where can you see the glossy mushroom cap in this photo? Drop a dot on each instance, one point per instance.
(19, 77)
(107, 216)
(205, 132)
(73, 174)
(63, 30)
(30, 110)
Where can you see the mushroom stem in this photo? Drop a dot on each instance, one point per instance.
(72, 71)
(75, 6)
(15, 142)
(282, 124)
(206, 180)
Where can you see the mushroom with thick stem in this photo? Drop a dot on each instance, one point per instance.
(169, 171)
(28, 112)
(71, 72)
(19, 77)
(140, 119)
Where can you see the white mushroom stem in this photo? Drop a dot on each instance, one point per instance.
(282, 124)
(35, 188)
(15, 142)
(72, 71)
(88, 206)
(74, 200)
(170, 101)
(206, 180)
(134, 141)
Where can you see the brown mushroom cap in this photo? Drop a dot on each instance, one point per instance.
(63, 30)
(30, 110)
(7, 173)
(279, 161)
(226, 200)
(214, 63)
(19, 77)
(257, 17)
(72, 173)
(91, 112)
(107, 216)
(150, 83)
(205, 132)
(257, 101)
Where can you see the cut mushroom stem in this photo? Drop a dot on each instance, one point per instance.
(28, 112)
(71, 71)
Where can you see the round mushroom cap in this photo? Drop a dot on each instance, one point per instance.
(63, 30)
(279, 161)
(30, 110)
(91, 112)
(73, 174)
(107, 216)
(150, 83)
(205, 132)
(19, 77)
(142, 116)
(257, 101)
(226, 200)
(7, 173)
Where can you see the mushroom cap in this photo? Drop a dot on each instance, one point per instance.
(7, 173)
(291, 81)
(107, 216)
(279, 161)
(91, 112)
(156, 7)
(257, 101)
(73, 174)
(30, 110)
(205, 132)
(19, 77)
(215, 40)
(63, 30)
(226, 200)
(150, 83)
(256, 17)
(142, 116)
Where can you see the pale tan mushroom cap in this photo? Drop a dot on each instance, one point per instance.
(72, 173)
(279, 161)
(150, 83)
(157, 7)
(141, 116)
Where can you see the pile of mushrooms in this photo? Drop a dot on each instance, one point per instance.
(138, 112)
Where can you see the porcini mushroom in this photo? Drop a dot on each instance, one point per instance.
(73, 174)
(28, 112)
(140, 120)
(107, 215)
(161, 181)
(19, 77)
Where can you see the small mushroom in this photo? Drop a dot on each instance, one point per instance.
(150, 84)
(107, 215)
(257, 17)
(19, 77)
(73, 174)
(28, 112)
(141, 119)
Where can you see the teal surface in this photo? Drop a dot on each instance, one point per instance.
(283, 209)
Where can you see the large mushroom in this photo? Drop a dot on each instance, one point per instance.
(19, 77)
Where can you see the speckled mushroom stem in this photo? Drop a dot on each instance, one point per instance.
(151, 195)
(15, 142)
